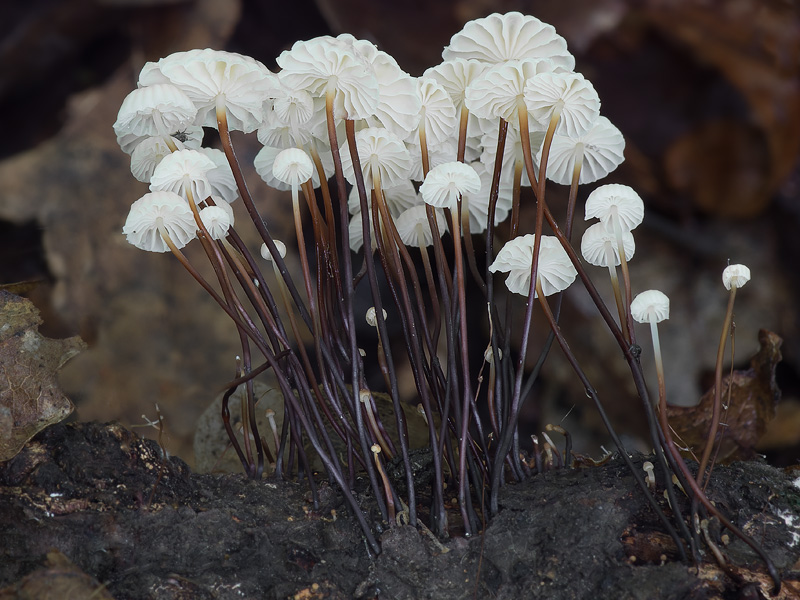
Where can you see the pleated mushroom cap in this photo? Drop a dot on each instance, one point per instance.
(265, 158)
(398, 198)
(477, 203)
(146, 156)
(324, 63)
(159, 208)
(511, 36)
(735, 276)
(160, 109)
(455, 76)
(650, 305)
(181, 171)
(556, 272)
(437, 111)
(292, 167)
(217, 219)
(398, 103)
(377, 149)
(615, 203)
(191, 138)
(445, 183)
(597, 242)
(601, 149)
(498, 92)
(223, 184)
(571, 93)
(207, 76)
(414, 229)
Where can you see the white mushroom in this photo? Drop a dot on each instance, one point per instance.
(159, 219)
(511, 36)
(554, 274)
(652, 307)
(184, 172)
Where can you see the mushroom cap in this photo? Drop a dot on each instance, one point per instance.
(414, 229)
(398, 198)
(356, 232)
(498, 38)
(204, 75)
(601, 149)
(372, 315)
(159, 208)
(377, 149)
(316, 64)
(265, 158)
(294, 108)
(181, 169)
(223, 185)
(455, 76)
(160, 109)
(497, 93)
(512, 152)
(147, 154)
(191, 138)
(217, 219)
(615, 203)
(437, 111)
(437, 154)
(477, 203)
(556, 272)
(398, 103)
(735, 276)
(574, 94)
(648, 305)
(446, 182)
(596, 242)
(280, 128)
(293, 167)
(265, 253)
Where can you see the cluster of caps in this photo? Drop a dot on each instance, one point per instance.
(509, 66)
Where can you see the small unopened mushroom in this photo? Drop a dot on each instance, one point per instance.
(733, 277)
(366, 399)
(376, 450)
(372, 317)
(651, 477)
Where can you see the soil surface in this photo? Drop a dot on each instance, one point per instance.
(93, 507)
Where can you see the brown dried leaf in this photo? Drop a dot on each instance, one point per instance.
(753, 398)
(30, 397)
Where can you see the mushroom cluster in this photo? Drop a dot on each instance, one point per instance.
(430, 162)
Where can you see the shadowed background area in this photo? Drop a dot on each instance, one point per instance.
(707, 95)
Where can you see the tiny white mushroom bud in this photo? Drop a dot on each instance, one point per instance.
(372, 316)
(265, 254)
(488, 355)
(651, 477)
(735, 276)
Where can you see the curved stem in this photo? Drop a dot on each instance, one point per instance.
(712, 431)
